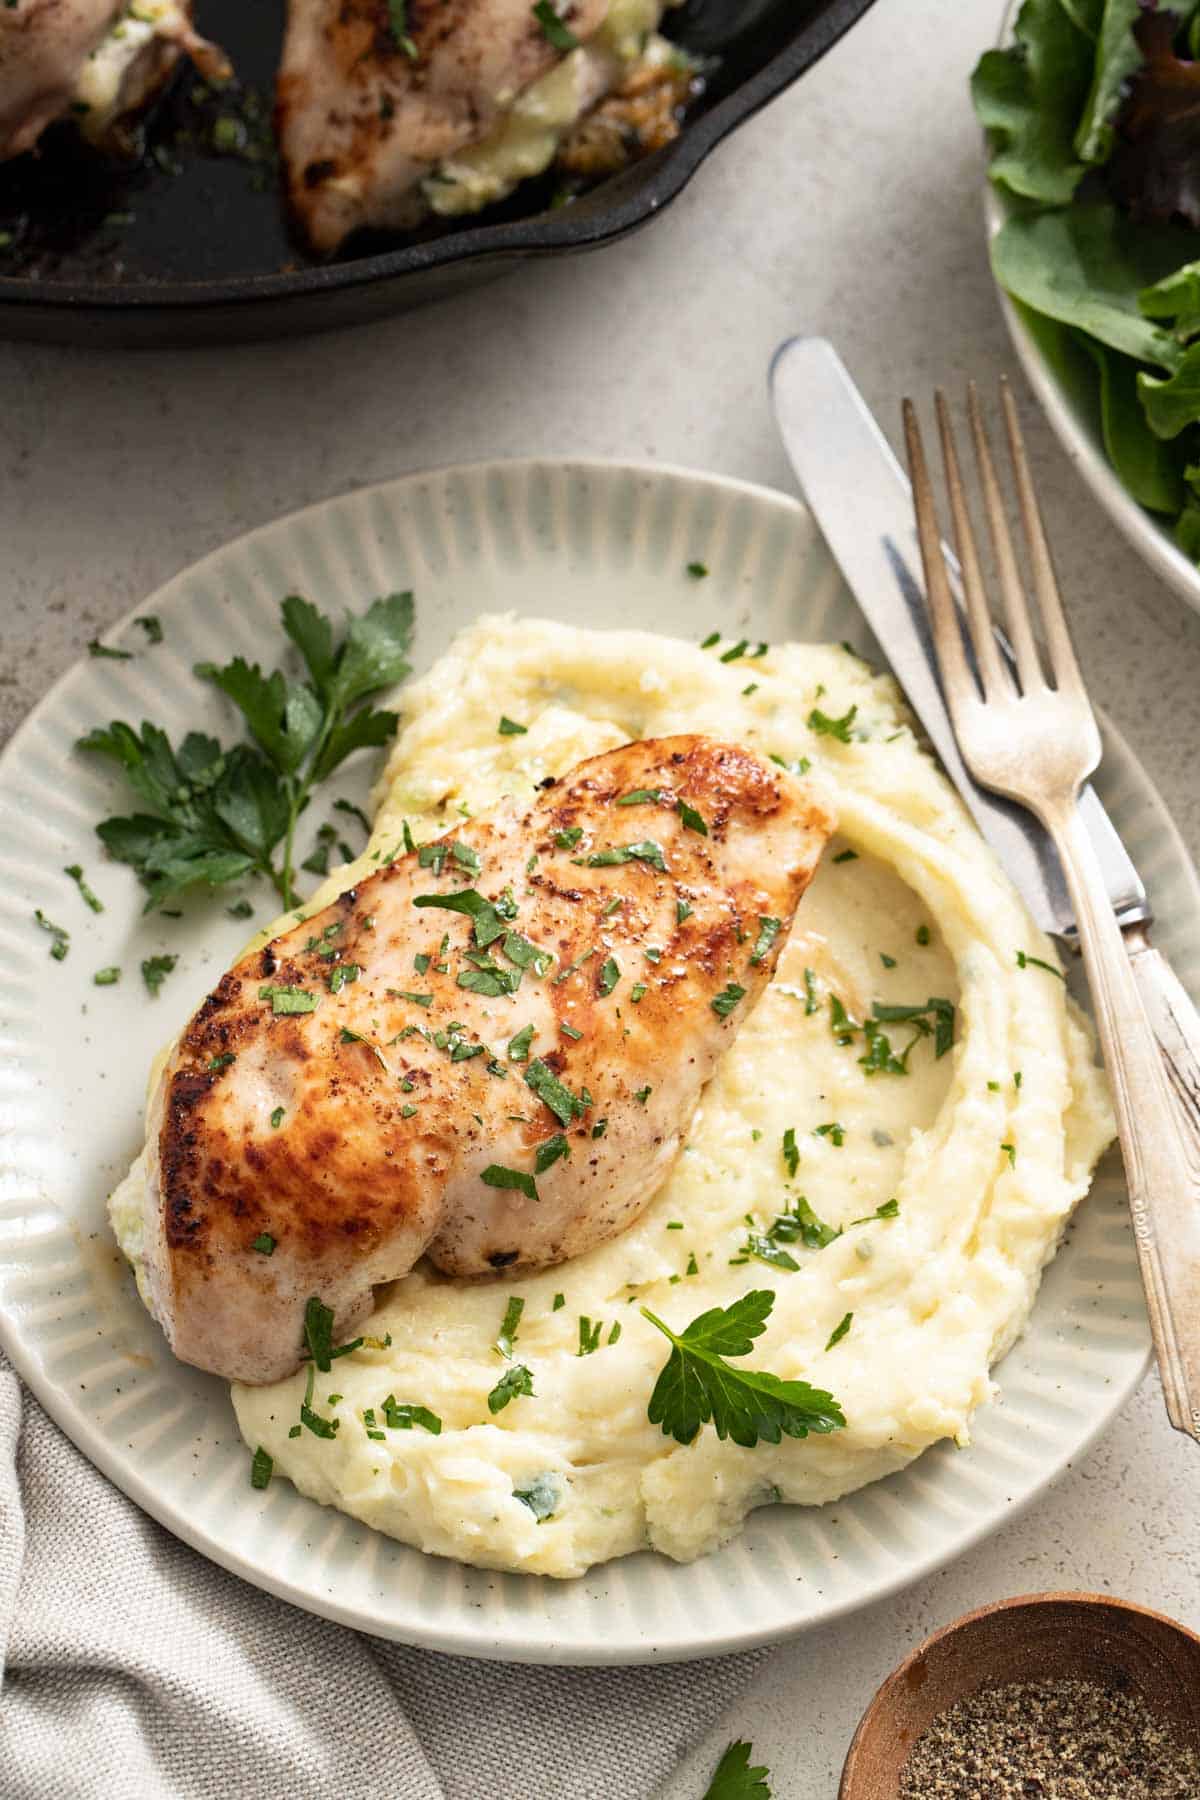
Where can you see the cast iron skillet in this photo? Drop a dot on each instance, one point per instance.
(190, 246)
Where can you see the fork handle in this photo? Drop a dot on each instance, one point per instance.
(1162, 1157)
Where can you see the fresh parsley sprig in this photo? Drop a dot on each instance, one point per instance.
(697, 1384)
(213, 815)
(734, 1779)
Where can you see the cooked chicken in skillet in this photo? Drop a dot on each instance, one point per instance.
(487, 1052)
(99, 60)
(371, 96)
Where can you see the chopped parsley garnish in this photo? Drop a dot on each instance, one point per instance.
(485, 915)
(542, 1495)
(221, 1062)
(846, 856)
(839, 1331)
(682, 911)
(889, 1210)
(75, 871)
(923, 938)
(341, 974)
(642, 1094)
(567, 840)
(106, 977)
(768, 931)
(610, 974)
(647, 851)
(398, 26)
(401, 1416)
(641, 797)
(889, 962)
(277, 1118)
(518, 1046)
(692, 821)
(697, 571)
(155, 970)
(569, 1030)
(152, 628)
(509, 1325)
(637, 991)
(800, 1224)
(589, 1335)
(213, 815)
(264, 1243)
(736, 651)
(466, 858)
(497, 1176)
(936, 1016)
(556, 34)
(824, 726)
(514, 1382)
(834, 1132)
(241, 909)
(408, 994)
(557, 1304)
(1010, 1150)
(549, 1152)
(1035, 962)
(714, 637)
(599, 1128)
(525, 954)
(289, 999)
(509, 727)
(800, 765)
(750, 1406)
(96, 648)
(724, 1002)
(791, 1153)
(764, 1249)
(552, 1092)
(810, 993)
(62, 938)
(262, 1467)
(489, 978)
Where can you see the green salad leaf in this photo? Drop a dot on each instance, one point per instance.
(1030, 97)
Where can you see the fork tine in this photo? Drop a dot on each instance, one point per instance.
(1016, 604)
(992, 673)
(957, 678)
(1063, 664)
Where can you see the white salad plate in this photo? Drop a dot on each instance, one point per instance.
(599, 544)
(1073, 411)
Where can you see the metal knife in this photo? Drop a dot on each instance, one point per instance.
(861, 500)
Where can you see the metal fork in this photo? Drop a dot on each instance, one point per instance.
(1037, 741)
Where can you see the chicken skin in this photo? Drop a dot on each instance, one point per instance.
(372, 95)
(99, 60)
(488, 1052)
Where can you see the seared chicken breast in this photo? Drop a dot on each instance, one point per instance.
(372, 96)
(488, 1052)
(100, 60)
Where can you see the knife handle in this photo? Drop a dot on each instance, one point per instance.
(1174, 1020)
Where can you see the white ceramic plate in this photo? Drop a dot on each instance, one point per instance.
(592, 544)
(1074, 416)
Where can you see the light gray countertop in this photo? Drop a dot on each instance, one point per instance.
(850, 207)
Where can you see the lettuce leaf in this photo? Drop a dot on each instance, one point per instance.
(1030, 96)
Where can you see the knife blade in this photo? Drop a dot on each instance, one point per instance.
(861, 500)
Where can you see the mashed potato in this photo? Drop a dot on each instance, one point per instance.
(985, 1150)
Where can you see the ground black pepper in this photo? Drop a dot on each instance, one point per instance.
(1051, 1740)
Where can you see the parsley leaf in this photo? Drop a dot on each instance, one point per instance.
(750, 1406)
(398, 26)
(155, 970)
(212, 814)
(484, 914)
(75, 871)
(61, 937)
(261, 1464)
(610, 974)
(724, 1002)
(552, 1092)
(791, 1153)
(549, 1152)
(400, 1416)
(839, 1331)
(824, 726)
(647, 851)
(734, 1779)
(768, 931)
(510, 1325)
(558, 35)
(509, 727)
(1035, 962)
(497, 1176)
(514, 1382)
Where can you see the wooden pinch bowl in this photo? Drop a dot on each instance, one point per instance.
(1040, 1637)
